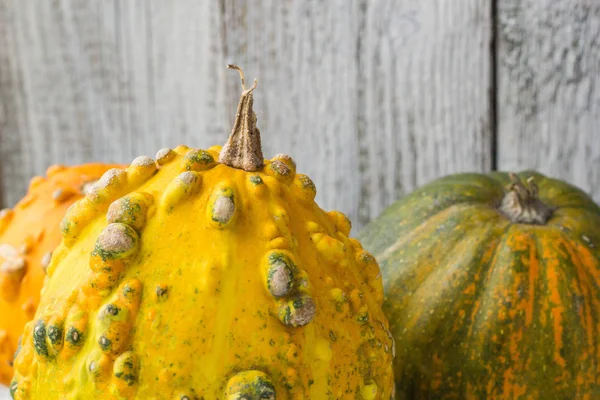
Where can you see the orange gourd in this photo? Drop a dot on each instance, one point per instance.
(28, 235)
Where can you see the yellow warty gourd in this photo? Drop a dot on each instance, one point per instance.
(207, 274)
(28, 234)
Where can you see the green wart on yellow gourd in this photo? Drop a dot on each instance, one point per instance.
(28, 234)
(492, 285)
(207, 274)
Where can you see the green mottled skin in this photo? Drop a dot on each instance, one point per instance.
(288, 311)
(39, 338)
(362, 318)
(483, 308)
(133, 210)
(256, 180)
(276, 258)
(74, 337)
(105, 343)
(106, 254)
(201, 157)
(281, 258)
(55, 334)
(251, 387)
(111, 309)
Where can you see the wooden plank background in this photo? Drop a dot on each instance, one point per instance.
(548, 62)
(371, 97)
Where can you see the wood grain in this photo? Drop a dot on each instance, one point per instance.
(304, 54)
(104, 81)
(372, 98)
(549, 89)
(425, 106)
(367, 95)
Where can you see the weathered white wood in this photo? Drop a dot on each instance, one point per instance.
(371, 97)
(424, 89)
(549, 89)
(304, 54)
(105, 81)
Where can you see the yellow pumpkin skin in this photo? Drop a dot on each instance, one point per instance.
(28, 235)
(184, 278)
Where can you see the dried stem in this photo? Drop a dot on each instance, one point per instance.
(243, 149)
(522, 205)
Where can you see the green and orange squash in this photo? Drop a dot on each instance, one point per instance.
(28, 234)
(492, 288)
(207, 274)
